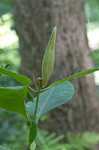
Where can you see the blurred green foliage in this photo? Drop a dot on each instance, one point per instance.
(14, 133)
(95, 55)
(9, 43)
(5, 7)
(92, 10)
(48, 141)
(16, 138)
(13, 130)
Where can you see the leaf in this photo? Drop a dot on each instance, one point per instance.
(49, 59)
(52, 98)
(3, 148)
(77, 75)
(33, 146)
(20, 78)
(32, 132)
(12, 99)
(29, 95)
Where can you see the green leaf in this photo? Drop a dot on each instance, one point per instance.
(49, 59)
(32, 132)
(4, 148)
(20, 78)
(29, 95)
(33, 146)
(52, 98)
(77, 75)
(12, 99)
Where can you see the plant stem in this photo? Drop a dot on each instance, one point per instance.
(32, 90)
(36, 107)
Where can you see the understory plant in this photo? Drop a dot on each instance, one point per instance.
(79, 141)
(45, 97)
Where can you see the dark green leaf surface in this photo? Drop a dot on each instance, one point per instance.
(29, 95)
(52, 98)
(32, 132)
(49, 59)
(12, 99)
(4, 148)
(20, 78)
(77, 75)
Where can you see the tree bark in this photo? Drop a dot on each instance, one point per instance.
(34, 22)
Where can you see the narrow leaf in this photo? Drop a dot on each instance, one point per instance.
(49, 59)
(12, 99)
(33, 132)
(20, 78)
(77, 75)
(52, 98)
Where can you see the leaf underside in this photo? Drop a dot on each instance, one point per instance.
(52, 98)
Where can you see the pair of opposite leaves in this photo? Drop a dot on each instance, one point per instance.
(13, 98)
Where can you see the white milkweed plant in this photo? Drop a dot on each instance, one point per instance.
(46, 97)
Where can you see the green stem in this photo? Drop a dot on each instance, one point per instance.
(32, 90)
(36, 107)
(45, 89)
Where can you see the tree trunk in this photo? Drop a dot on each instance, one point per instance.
(34, 22)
